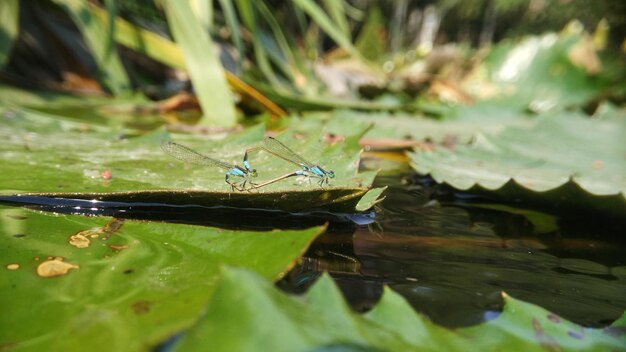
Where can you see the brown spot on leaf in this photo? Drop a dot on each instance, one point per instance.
(545, 341)
(55, 267)
(554, 318)
(597, 164)
(141, 307)
(537, 327)
(118, 248)
(82, 238)
(79, 241)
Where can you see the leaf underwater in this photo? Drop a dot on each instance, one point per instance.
(270, 320)
(93, 162)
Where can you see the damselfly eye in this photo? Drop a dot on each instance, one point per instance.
(253, 173)
(331, 174)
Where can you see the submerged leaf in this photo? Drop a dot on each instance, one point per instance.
(247, 313)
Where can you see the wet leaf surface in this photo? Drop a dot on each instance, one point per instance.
(566, 158)
(135, 285)
(98, 162)
(264, 318)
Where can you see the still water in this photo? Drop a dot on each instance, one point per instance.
(449, 254)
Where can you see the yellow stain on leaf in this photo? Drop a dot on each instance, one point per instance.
(55, 267)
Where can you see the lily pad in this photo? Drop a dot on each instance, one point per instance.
(457, 124)
(566, 160)
(68, 159)
(270, 320)
(542, 73)
(101, 284)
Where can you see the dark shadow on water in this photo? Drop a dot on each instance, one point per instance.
(222, 217)
(448, 254)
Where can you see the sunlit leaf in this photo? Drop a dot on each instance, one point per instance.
(247, 313)
(203, 63)
(459, 124)
(127, 286)
(163, 50)
(371, 198)
(566, 159)
(542, 73)
(93, 162)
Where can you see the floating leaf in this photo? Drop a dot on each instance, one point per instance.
(133, 286)
(565, 159)
(539, 73)
(371, 198)
(93, 162)
(247, 313)
(459, 123)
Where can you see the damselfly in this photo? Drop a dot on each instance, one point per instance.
(185, 154)
(276, 148)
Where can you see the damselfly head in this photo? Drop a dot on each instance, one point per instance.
(330, 173)
(253, 173)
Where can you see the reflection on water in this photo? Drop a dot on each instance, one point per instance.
(451, 262)
(449, 255)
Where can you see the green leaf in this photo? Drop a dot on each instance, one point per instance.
(336, 11)
(68, 159)
(135, 285)
(247, 313)
(371, 198)
(566, 159)
(143, 41)
(541, 73)
(9, 26)
(371, 41)
(98, 40)
(459, 123)
(203, 9)
(233, 22)
(250, 19)
(203, 63)
(332, 29)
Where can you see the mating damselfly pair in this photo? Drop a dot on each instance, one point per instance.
(239, 177)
